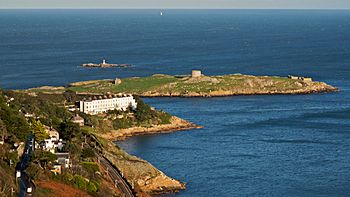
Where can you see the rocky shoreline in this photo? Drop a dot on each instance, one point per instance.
(177, 124)
(228, 94)
(312, 88)
(147, 179)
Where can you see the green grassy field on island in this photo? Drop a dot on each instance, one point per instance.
(167, 85)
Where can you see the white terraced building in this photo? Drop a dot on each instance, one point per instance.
(103, 104)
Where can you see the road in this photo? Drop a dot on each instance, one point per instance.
(116, 177)
(24, 181)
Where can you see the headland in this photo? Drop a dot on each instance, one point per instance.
(175, 124)
(89, 138)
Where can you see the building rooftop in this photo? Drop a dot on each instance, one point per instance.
(107, 96)
(77, 118)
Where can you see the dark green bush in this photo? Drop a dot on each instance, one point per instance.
(90, 167)
(69, 130)
(88, 153)
(122, 123)
(92, 187)
(80, 182)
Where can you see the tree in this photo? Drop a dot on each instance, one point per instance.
(35, 171)
(39, 131)
(12, 157)
(69, 130)
(43, 158)
(4, 149)
(3, 130)
(88, 152)
(143, 111)
(16, 125)
(70, 95)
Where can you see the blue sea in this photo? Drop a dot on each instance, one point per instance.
(295, 145)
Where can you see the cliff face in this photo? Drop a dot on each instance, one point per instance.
(145, 178)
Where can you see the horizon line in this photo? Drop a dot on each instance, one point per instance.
(72, 8)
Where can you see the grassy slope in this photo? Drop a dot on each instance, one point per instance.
(134, 85)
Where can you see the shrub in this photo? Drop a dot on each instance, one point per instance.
(145, 114)
(73, 148)
(92, 187)
(11, 157)
(43, 158)
(165, 118)
(122, 123)
(91, 167)
(88, 152)
(69, 130)
(34, 171)
(80, 182)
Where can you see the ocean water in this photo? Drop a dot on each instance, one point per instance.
(250, 145)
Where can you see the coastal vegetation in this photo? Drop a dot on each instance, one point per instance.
(143, 116)
(187, 86)
(15, 129)
(13, 125)
(23, 114)
(7, 180)
(39, 130)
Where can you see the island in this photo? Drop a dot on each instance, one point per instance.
(104, 64)
(195, 85)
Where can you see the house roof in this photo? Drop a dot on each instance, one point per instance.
(107, 96)
(62, 155)
(77, 118)
(51, 131)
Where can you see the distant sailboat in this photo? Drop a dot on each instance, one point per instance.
(161, 12)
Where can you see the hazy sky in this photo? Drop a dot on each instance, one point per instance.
(288, 4)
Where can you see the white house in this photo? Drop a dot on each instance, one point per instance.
(48, 145)
(53, 142)
(63, 159)
(103, 104)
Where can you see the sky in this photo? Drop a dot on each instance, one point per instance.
(190, 4)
